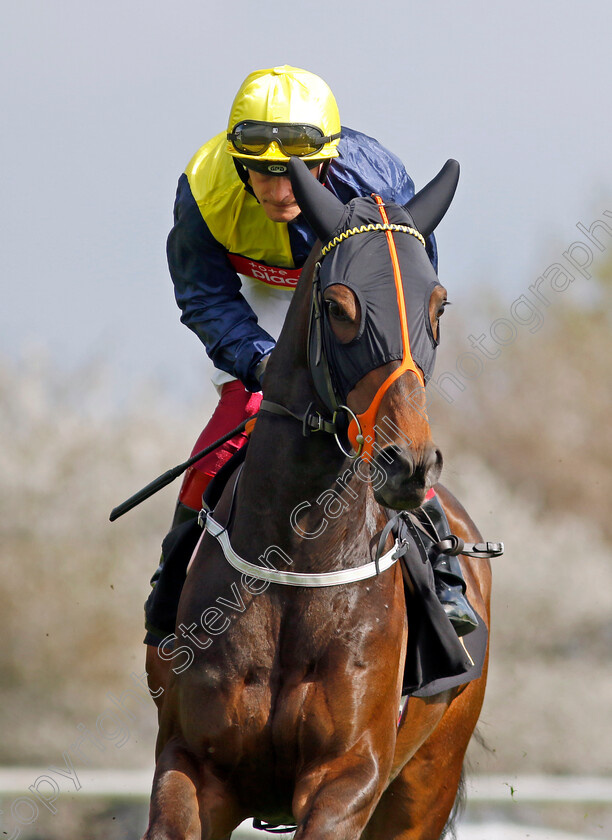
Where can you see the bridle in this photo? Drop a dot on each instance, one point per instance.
(338, 419)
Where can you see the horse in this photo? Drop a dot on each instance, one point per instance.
(286, 667)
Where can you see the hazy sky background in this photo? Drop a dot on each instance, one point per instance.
(103, 104)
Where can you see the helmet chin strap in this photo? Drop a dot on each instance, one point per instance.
(243, 174)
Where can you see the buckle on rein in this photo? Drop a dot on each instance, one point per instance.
(313, 421)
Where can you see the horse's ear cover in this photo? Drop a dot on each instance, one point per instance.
(323, 211)
(429, 205)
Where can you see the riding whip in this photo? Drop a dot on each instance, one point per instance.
(162, 480)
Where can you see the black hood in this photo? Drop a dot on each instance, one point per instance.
(363, 263)
(389, 272)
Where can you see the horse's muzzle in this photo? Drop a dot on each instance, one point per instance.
(406, 475)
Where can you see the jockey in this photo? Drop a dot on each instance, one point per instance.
(238, 245)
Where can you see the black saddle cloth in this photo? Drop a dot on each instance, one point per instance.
(436, 658)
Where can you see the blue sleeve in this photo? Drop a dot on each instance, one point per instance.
(207, 290)
(365, 166)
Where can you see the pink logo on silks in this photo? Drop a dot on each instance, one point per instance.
(286, 278)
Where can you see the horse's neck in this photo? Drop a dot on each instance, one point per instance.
(302, 495)
(288, 479)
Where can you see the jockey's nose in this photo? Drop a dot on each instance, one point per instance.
(280, 189)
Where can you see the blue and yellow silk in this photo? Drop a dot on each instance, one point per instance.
(217, 220)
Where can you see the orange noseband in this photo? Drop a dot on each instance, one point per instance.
(362, 432)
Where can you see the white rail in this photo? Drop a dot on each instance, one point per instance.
(497, 788)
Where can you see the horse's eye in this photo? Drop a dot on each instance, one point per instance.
(334, 310)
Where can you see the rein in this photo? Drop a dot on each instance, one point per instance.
(313, 421)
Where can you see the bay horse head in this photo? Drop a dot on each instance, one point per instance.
(374, 325)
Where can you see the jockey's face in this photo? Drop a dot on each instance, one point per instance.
(275, 195)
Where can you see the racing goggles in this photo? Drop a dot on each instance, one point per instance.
(252, 137)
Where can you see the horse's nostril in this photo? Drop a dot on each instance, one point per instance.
(399, 460)
(407, 463)
(434, 459)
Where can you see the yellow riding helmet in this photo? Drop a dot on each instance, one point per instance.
(286, 96)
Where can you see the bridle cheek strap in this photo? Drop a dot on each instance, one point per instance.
(361, 431)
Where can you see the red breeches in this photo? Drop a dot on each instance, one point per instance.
(235, 405)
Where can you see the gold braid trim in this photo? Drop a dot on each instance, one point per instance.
(366, 229)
